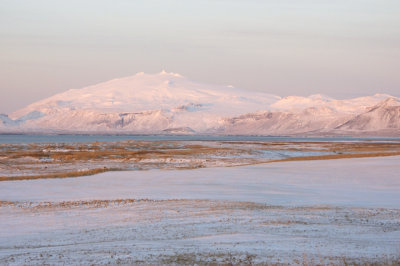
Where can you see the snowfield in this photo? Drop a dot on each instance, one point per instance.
(168, 103)
(371, 182)
(315, 212)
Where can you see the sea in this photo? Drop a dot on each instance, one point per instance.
(70, 138)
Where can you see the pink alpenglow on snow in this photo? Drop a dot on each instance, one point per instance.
(169, 103)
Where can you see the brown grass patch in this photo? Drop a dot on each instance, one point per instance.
(164, 155)
(58, 175)
(338, 156)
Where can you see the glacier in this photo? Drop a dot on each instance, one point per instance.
(169, 103)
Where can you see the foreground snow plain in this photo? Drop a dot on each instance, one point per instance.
(314, 212)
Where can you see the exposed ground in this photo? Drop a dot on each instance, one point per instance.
(58, 160)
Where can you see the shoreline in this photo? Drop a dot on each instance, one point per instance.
(66, 160)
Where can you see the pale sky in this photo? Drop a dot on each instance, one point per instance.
(340, 48)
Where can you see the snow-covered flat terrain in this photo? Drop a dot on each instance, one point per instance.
(315, 212)
(372, 182)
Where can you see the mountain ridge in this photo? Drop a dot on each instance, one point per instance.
(169, 103)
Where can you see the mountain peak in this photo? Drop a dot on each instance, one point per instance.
(320, 97)
(151, 92)
(167, 102)
(163, 72)
(389, 102)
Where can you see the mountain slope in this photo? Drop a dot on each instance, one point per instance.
(142, 103)
(168, 103)
(383, 116)
(310, 120)
(144, 92)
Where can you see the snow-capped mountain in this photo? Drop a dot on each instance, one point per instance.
(383, 116)
(168, 103)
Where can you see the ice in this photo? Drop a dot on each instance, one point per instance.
(364, 182)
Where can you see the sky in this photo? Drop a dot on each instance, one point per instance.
(341, 48)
